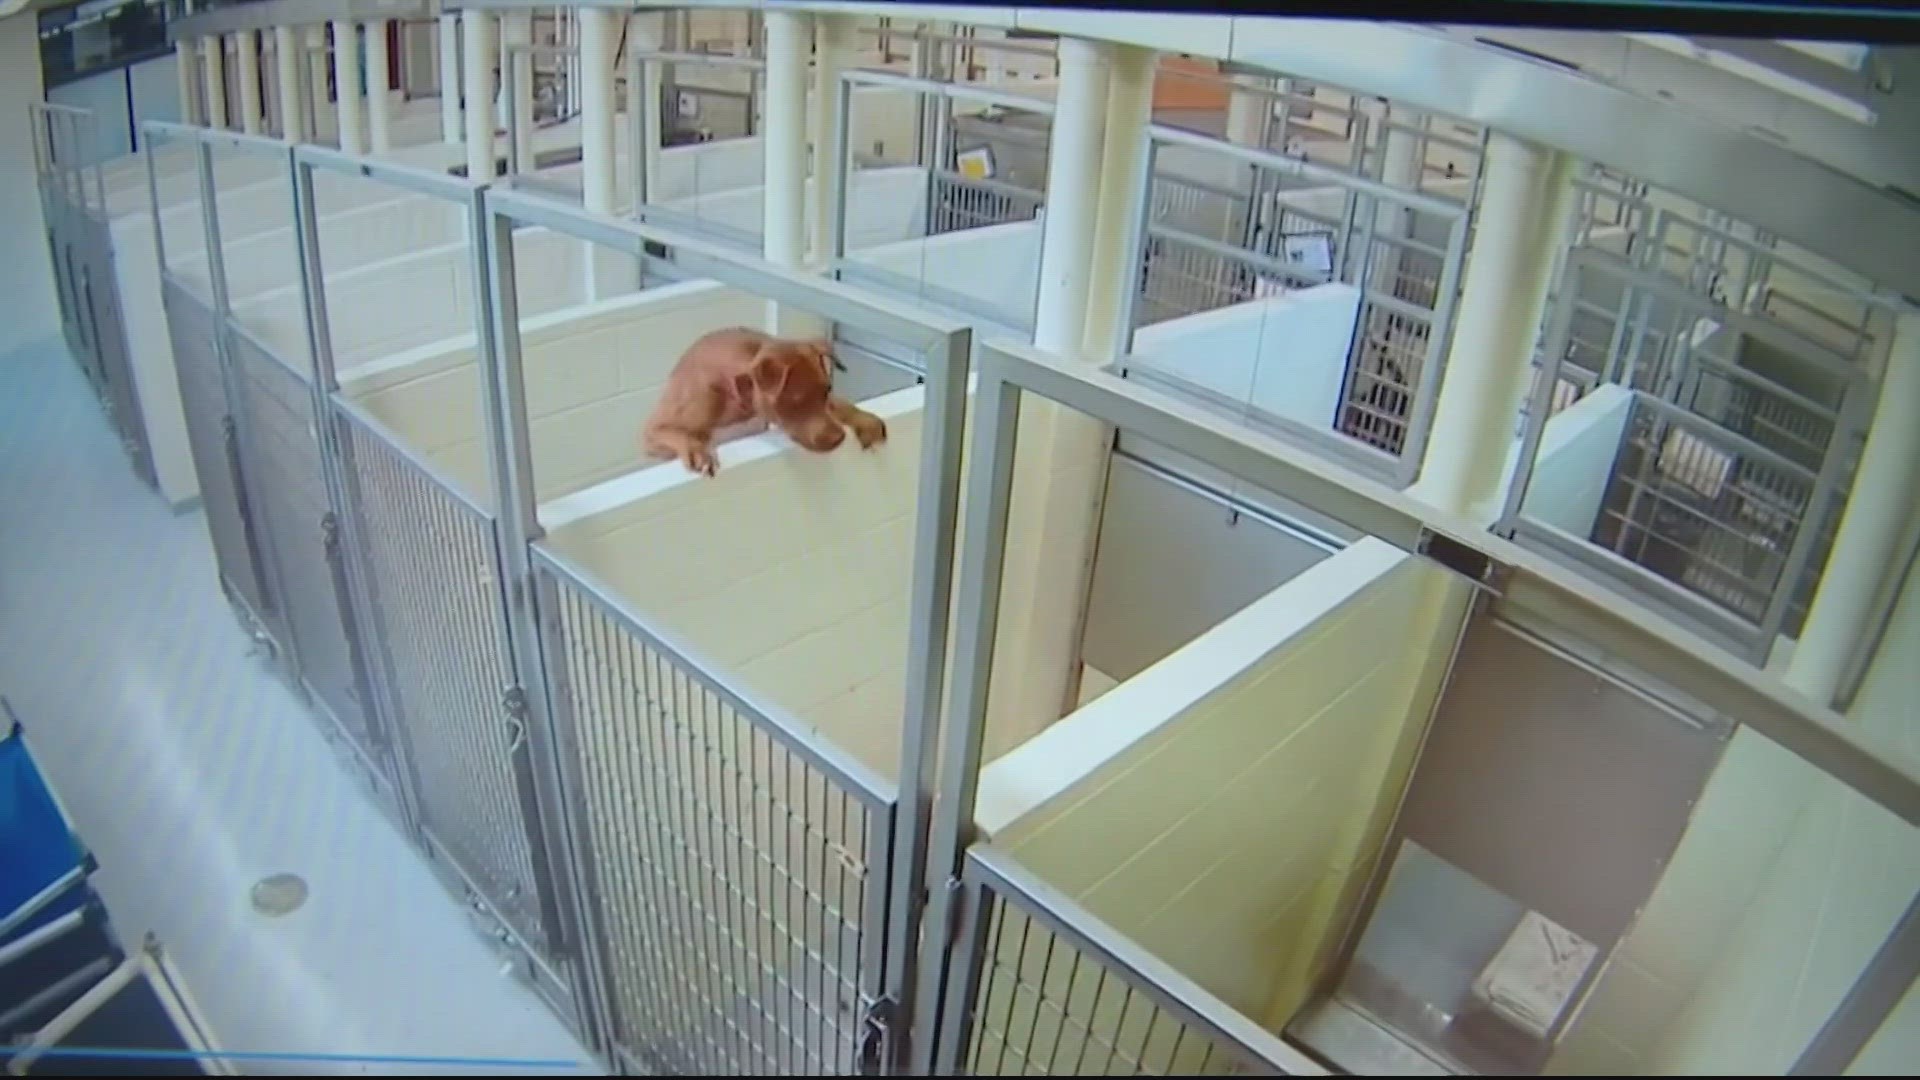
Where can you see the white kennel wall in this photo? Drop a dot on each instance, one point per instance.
(1224, 807)
(593, 373)
(415, 300)
(1286, 356)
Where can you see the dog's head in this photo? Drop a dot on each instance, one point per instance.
(789, 383)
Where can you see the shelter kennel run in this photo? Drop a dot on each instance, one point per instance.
(704, 846)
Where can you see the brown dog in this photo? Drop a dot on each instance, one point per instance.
(733, 376)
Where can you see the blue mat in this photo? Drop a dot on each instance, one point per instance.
(37, 845)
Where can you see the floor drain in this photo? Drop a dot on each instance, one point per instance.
(279, 894)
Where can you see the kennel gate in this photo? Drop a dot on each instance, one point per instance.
(987, 890)
(423, 566)
(750, 891)
(212, 422)
(72, 191)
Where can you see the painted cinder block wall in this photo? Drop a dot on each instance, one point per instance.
(1232, 837)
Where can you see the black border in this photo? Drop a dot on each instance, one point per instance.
(1864, 21)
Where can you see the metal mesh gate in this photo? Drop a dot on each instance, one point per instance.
(430, 562)
(287, 487)
(1040, 986)
(731, 869)
(212, 438)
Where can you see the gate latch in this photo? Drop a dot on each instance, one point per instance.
(875, 1036)
(513, 699)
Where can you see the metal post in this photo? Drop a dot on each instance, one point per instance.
(840, 179)
(983, 550)
(516, 510)
(935, 528)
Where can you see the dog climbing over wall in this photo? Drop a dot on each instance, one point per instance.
(739, 376)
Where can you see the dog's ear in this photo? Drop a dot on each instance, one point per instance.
(823, 349)
(769, 373)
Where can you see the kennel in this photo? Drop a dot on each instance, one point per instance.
(1732, 455)
(1118, 916)
(969, 242)
(1230, 227)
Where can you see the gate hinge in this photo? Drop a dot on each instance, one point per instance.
(876, 1034)
(228, 429)
(330, 533)
(513, 699)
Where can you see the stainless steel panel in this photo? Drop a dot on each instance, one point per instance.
(1187, 557)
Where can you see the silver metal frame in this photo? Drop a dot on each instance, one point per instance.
(1755, 639)
(944, 350)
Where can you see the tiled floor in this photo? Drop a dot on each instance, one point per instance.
(192, 773)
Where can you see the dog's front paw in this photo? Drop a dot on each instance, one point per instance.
(870, 430)
(701, 459)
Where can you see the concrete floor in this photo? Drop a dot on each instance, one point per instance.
(191, 773)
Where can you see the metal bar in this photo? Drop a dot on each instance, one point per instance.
(982, 565)
(1413, 448)
(517, 521)
(1656, 282)
(667, 56)
(42, 935)
(440, 185)
(1288, 166)
(27, 1052)
(38, 901)
(1193, 1005)
(968, 952)
(841, 178)
(1828, 497)
(11, 1019)
(951, 91)
(873, 791)
(1534, 590)
(1875, 993)
(837, 302)
(936, 528)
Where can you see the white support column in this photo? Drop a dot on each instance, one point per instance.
(1073, 186)
(246, 51)
(834, 44)
(1122, 197)
(379, 92)
(1886, 491)
(598, 40)
(213, 71)
(789, 41)
(479, 52)
(517, 30)
(1525, 198)
(347, 89)
(1059, 477)
(186, 66)
(286, 70)
(452, 122)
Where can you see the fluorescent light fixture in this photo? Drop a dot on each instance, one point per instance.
(1817, 96)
